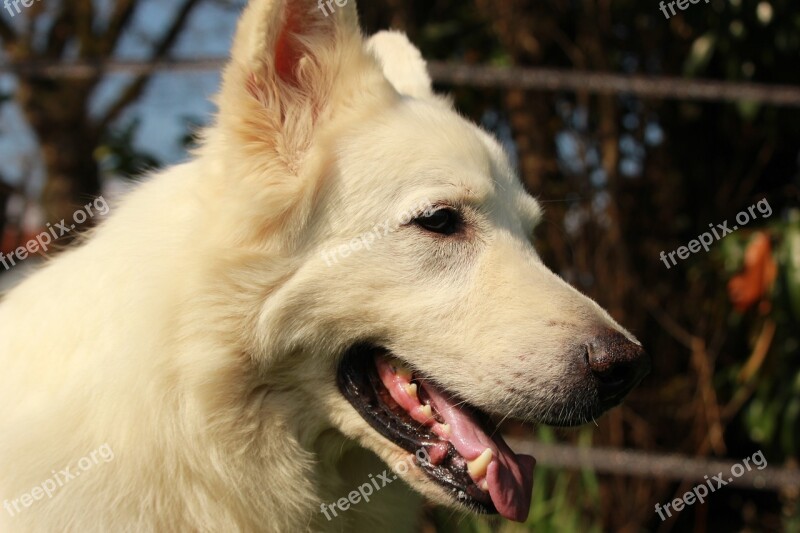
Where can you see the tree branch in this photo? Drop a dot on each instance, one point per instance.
(60, 33)
(84, 19)
(123, 12)
(7, 33)
(133, 90)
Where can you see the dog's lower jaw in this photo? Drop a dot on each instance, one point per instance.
(357, 437)
(343, 466)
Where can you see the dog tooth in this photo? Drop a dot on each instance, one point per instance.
(411, 389)
(477, 467)
(484, 486)
(427, 411)
(445, 429)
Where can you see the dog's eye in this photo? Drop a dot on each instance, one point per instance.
(444, 221)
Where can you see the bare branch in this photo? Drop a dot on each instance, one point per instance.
(61, 32)
(7, 33)
(162, 48)
(84, 19)
(122, 15)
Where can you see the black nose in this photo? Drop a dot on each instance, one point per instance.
(617, 364)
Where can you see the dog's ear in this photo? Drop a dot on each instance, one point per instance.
(402, 63)
(294, 64)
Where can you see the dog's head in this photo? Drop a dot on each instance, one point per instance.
(411, 299)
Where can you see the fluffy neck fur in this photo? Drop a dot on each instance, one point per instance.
(220, 443)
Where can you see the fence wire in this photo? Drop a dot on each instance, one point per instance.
(655, 465)
(482, 76)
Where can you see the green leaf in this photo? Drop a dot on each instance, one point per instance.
(700, 54)
(748, 109)
(791, 261)
(789, 428)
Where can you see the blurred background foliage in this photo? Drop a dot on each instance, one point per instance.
(622, 179)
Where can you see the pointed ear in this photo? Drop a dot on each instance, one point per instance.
(402, 63)
(291, 61)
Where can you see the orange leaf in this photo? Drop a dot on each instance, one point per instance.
(749, 287)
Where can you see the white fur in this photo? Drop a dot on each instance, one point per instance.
(402, 63)
(198, 330)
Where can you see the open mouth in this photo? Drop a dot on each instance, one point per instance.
(465, 453)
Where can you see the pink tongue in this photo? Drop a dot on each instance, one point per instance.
(509, 476)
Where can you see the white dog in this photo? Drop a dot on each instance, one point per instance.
(240, 380)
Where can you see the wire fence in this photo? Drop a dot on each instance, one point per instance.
(482, 76)
(654, 465)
